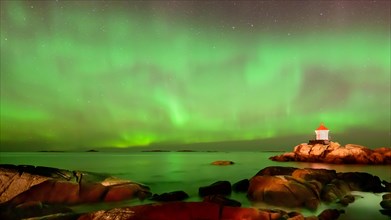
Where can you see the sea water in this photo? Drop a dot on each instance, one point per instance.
(187, 171)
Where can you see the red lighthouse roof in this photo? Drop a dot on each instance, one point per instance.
(322, 127)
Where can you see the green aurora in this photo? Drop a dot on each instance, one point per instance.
(75, 76)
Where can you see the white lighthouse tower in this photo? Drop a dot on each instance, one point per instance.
(322, 133)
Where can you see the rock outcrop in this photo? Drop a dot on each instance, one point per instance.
(21, 184)
(336, 154)
(308, 187)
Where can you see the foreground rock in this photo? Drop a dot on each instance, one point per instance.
(20, 184)
(309, 187)
(198, 211)
(336, 154)
(283, 191)
(217, 188)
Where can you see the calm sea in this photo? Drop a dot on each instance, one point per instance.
(187, 171)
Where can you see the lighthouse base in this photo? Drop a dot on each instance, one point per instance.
(313, 142)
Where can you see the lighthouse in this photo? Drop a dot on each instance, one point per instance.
(322, 133)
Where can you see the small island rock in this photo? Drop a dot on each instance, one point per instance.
(222, 162)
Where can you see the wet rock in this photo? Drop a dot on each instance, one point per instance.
(346, 200)
(386, 185)
(222, 163)
(219, 187)
(386, 204)
(241, 186)
(335, 191)
(171, 196)
(221, 200)
(359, 181)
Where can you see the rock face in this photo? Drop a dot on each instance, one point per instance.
(292, 187)
(21, 184)
(336, 154)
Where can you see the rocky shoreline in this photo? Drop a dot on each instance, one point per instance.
(28, 192)
(334, 153)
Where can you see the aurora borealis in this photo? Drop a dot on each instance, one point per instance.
(91, 74)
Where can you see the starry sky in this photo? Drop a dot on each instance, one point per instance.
(94, 74)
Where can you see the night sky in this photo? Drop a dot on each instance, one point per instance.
(92, 74)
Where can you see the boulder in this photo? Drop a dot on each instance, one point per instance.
(217, 188)
(283, 191)
(346, 200)
(386, 204)
(386, 201)
(170, 196)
